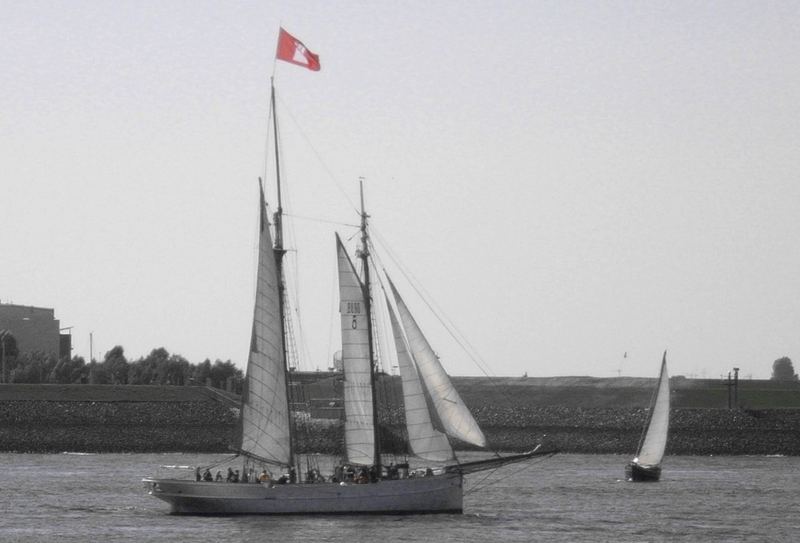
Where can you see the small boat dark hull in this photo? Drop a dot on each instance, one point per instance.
(639, 473)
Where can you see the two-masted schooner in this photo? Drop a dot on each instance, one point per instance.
(434, 412)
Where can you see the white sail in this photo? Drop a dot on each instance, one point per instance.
(359, 430)
(453, 414)
(425, 441)
(655, 441)
(265, 410)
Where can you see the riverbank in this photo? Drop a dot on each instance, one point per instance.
(192, 421)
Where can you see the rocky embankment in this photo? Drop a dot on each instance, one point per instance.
(692, 431)
(56, 426)
(209, 426)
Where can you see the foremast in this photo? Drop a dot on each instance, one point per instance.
(279, 253)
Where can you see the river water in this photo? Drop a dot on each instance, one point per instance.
(70, 497)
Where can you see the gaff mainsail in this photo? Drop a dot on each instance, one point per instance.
(359, 428)
(265, 425)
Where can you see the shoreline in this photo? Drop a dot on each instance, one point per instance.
(37, 426)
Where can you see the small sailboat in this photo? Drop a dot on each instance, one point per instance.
(646, 466)
(362, 482)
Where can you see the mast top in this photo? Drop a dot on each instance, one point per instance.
(364, 217)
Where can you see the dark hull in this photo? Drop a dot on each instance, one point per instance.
(637, 473)
(437, 494)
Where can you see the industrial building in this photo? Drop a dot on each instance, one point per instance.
(34, 329)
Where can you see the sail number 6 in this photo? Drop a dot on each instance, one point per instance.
(352, 308)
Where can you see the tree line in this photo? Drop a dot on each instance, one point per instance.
(157, 368)
(783, 370)
(162, 368)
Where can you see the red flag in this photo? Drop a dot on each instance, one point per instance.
(290, 49)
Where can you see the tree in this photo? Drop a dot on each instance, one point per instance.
(176, 370)
(8, 352)
(782, 370)
(8, 343)
(34, 367)
(116, 365)
(70, 370)
(149, 370)
(221, 371)
(98, 374)
(202, 372)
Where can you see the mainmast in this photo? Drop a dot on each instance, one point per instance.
(279, 252)
(279, 210)
(368, 306)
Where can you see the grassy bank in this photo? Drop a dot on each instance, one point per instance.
(588, 392)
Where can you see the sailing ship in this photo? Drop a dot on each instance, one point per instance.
(646, 466)
(363, 483)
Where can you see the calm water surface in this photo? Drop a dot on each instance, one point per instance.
(67, 498)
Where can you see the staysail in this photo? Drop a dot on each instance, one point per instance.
(359, 428)
(425, 441)
(655, 441)
(454, 415)
(265, 410)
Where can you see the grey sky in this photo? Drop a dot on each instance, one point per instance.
(570, 181)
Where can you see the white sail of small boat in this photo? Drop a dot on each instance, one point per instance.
(646, 466)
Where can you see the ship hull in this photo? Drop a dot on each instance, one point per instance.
(437, 494)
(638, 473)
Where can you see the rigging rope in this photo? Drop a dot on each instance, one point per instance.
(427, 299)
(476, 487)
(324, 221)
(286, 108)
(300, 348)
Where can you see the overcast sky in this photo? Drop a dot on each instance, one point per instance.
(569, 181)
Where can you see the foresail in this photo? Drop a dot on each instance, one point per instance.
(454, 415)
(359, 428)
(265, 410)
(425, 441)
(655, 441)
